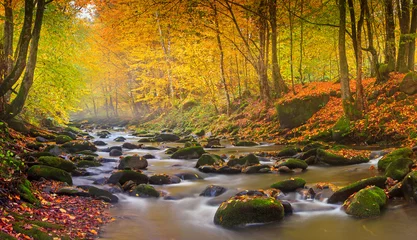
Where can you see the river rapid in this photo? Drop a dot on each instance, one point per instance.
(191, 216)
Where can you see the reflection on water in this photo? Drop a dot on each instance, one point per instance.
(191, 217)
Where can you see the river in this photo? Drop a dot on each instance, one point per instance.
(191, 216)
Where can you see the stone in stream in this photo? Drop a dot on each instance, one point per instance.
(166, 137)
(126, 175)
(57, 163)
(213, 143)
(115, 153)
(148, 156)
(128, 145)
(260, 168)
(99, 143)
(119, 139)
(55, 150)
(86, 164)
(285, 169)
(115, 148)
(313, 146)
(133, 162)
(240, 211)
(213, 191)
(129, 185)
(103, 134)
(398, 168)
(292, 163)
(289, 151)
(188, 153)
(189, 176)
(77, 146)
(248, 160)
(337, 160)
(50, 173)
(101, 194)
(107, 160)
(245, 144)
(100, 181)
(72, 191)
(150, 148)
(209, 159)
(171, 150)
(368, 202)
(61, 139)
(394, 155)
(162, 179)
(409, 186)
(377, 154)
(289, 185)
(342, 194)
(145, 191)
(287, 208)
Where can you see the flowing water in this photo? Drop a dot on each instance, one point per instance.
(191, 216)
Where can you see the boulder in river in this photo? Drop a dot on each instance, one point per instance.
(145, 191)
(127, 175)
(243, 210)
(128, 145)
(166, 137)
(103, 134)
(119, 139)
(409, 186)
(189, 176)
(50, 173)
(57, 163)
(133, 162)
(338, 160)
(99, 193)
(99, 143)
(213, 191)
(289, 185)
(248, 160)
(259, 168)
(209, 159)
(398, 168)
(213, 143)
(162, 179)
(292, 163)
(77, 146)
(289, 151)
(87, 163)
(245, 144)
(189, 153)
(394, 155)
(73, 191)
(368, 202)
(342, 194)
(115, 153)
(61, 139)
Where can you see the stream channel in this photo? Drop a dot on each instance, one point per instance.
(191, 215)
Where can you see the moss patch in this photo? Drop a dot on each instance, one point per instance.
(366, 203)
(293, 163)
(209, 159)
(289, 185)
(396, 154)
(189, 153)
(145, 191)
(86, 163)
(57, 162)
(248, 160)
(38, 171)
(61, 139)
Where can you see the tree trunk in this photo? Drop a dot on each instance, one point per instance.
(343, 69)
(359, 62)
(300, 66)
(390, 50)
(404, 18)
(261, 68)
(413, 28)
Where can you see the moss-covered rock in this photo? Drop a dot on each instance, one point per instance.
(238, 211)
(289, 151)
(25, 192)
(342, 194)
(87, 163)
(166, 137)
(77, 146)
(189, 153)
(259, 168)
(145, 191)
(294, 113)
(133, 162)
(398, 168)
(39, 171)
(313, 146)
(396, 154)
(409, 186)
(337, 160)
(61, 139)
(57, 162)
(366, 203)
(248, 160)
(293, 163)
(161, 179)
(341, 129)
(127, 175)
(100, 194)
(209, 159)
(87, 153)
(33, 232)
(289, 185)
(245, 144)
(409, 83)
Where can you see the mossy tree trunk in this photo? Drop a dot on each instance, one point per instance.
(389, 50)
(404, 19)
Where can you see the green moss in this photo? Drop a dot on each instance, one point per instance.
(133, 162)
(39, 171)
(145, 191)
(77, 146)
(87, 153)
(248, 160)
(293, 163)
(57, 162)
(341, 128)
(236, 212)
(398, 168)
(337, 160)
(246, 144)
(396, 154)
(191, 144)
(343, 193)
(127, 175)
(34, 232)
(209, 159)
(289, 151)
(289, 185)
(5, 236)
(409, 186)
(189, 153)
(366, 203)
(61, 139)
(25, 191)
(85, 163)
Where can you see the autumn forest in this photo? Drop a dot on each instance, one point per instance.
(204, 119)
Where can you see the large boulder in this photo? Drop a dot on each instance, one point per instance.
(398, 168)
(289, 151)
(409, 186)
(61, 139)
(162, 179)
(39, 171)
(289, 185)
(409, 84)
(209, 159)
(99, 143)
(188, 153)
(366, 203)
(133, 162)
(57, 162)
(337, 160)
(145, 191)
(296, 112)
(342, 194)
(292, 163)
(77, 146)
(115, 153)
(189, 176)
(127, 175)
(166, 137)
(248, 160)
(213, 191)
(243, 210)
(130, 145)
(100, 194)
(394, 155)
